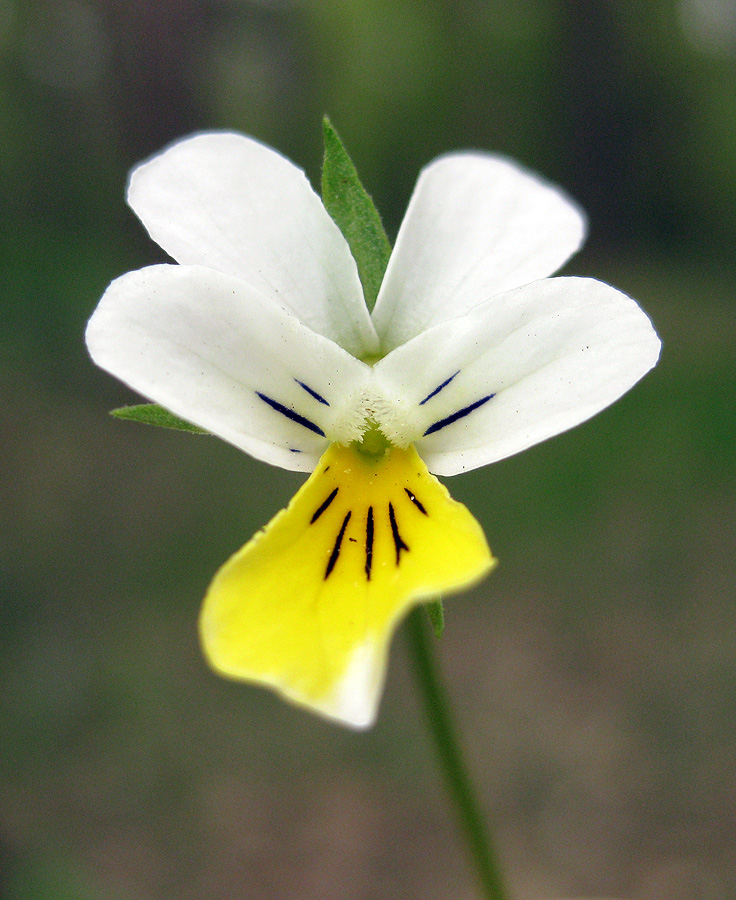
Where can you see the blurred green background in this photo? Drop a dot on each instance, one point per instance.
(594, 674)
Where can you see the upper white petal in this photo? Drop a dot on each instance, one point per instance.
(226, 201)
(476, 225)
(527, 365)
(212, 350)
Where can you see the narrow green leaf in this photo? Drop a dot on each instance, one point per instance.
(436, 613)
(353, 211)
(153, 414)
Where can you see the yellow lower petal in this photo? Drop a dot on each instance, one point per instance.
(308, 606)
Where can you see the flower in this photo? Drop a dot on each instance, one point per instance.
(260, 334)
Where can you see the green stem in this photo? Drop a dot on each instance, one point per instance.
(450, 758)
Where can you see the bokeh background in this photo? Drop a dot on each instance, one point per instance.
(594, 674)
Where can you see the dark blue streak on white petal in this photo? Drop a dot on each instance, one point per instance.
(290, 414)
(439, 388)
(311, 392)
(460, 414)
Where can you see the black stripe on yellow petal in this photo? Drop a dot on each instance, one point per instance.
(323, 506)
(369, 536)
(413, 497)
(336, 547)
(399, 542)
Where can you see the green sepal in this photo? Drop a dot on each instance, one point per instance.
(353, 211)
(153, 414)
(436, 613)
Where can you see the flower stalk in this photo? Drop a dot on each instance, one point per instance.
(450, 758)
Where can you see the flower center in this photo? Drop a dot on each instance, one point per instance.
(371, 421)
(373, 443)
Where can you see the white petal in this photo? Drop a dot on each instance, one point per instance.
(527, 365)
(212, 350)
(228, 202)
(476, 225)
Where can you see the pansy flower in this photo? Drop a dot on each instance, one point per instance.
(261, 334)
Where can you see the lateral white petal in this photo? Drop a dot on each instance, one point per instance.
(476, 225)
(225, 201)
(522, 367)
(212, 350)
